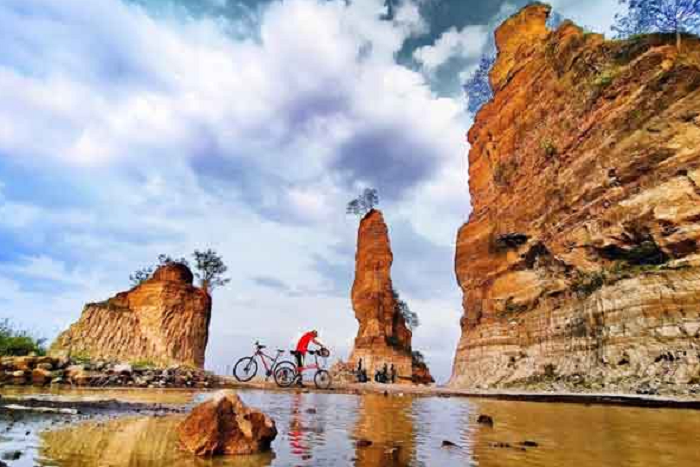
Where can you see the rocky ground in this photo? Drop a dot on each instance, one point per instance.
(44, 371)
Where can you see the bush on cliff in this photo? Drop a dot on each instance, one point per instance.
(409, 316)
(14, 342)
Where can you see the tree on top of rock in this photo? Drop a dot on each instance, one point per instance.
(664, 16)
(364, 203)
(210, 269)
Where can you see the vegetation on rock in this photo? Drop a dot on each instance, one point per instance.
(664, 16)
(209, 269)
(364, 203)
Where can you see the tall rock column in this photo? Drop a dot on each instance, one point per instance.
(164, 320)
(383, 336)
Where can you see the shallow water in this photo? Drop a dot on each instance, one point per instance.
(403, 431)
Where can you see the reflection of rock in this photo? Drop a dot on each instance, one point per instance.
(127, 442)
(223, 425)
(384, 431)
(165, 320)
(584, 174)
(382, 337)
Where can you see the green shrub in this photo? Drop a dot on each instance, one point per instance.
(14, 342)
(550, 150)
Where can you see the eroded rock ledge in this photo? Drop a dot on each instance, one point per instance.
(163, 321)
(580, 262)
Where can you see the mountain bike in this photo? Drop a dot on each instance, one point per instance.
(286, 375)
(247, 367)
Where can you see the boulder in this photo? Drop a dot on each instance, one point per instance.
(223, 425)
(41, 376)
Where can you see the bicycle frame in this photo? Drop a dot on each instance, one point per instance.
(263, 356)
(314, 366)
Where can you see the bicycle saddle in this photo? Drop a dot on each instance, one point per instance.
(260, 346)
(280, 350)
(311, 352)
(294, 352)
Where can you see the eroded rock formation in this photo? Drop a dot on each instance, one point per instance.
(383, 337)
(579, 263)
(164, 320)
(224, 425)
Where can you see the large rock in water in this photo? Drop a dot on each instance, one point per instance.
(164, 320)
(580, 259)
(223, 425)
(383, 337)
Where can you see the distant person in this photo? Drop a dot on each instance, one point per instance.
(303, 348)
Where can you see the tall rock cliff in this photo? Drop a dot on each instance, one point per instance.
(164, 320)
(383, 336)
(579, 264)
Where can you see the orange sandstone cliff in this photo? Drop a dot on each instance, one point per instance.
(164, 320)
(383, 337)
(580, 264)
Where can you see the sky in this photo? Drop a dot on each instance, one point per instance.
(130, 128)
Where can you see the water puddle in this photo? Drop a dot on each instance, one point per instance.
(374, 430)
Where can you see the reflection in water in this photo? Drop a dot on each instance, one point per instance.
(128, 442)
(322, 430)
(386, 422)
(587, 435)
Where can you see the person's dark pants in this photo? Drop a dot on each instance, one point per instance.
(300, 359)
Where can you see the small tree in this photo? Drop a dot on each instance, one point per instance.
(665, 16)
(141, 275)
(364, 203)
(409, 316)
(165, 259)
(478, 86)
(210, 269)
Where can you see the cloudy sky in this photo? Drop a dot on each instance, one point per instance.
(130, 128)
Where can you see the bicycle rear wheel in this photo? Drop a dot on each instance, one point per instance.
(322, 379)
(246, 368)
(285, 374)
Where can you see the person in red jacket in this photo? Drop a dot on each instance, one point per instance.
(303, 347)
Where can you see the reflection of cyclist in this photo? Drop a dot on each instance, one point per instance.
(303, 347)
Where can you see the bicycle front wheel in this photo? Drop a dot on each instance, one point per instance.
(285, 373)
(246, 368)
(322, 379)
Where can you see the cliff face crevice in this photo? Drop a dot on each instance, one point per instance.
(164, 320)
(383, 336)
(581, 257)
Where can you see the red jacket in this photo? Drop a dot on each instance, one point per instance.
(303, 344)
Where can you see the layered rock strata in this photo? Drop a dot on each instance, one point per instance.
(382, 337)
(580, 261)
(163, 321)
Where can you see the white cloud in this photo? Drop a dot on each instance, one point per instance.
(181, 136)
(466, 43)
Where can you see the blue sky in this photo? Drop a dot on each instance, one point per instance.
(133, 128)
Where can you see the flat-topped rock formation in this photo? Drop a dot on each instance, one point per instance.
(383, 337)
(579, 264)
(164, 321)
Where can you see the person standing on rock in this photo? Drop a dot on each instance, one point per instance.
(303, 348)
